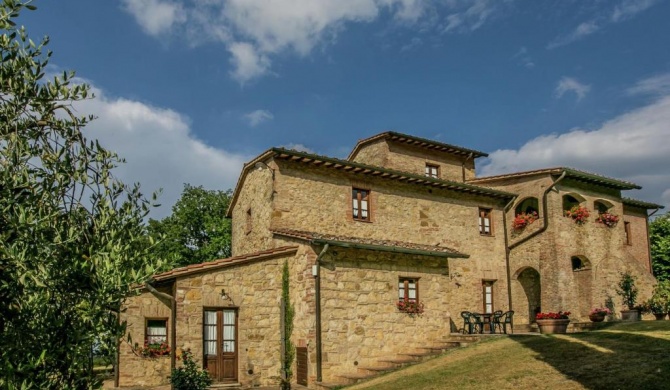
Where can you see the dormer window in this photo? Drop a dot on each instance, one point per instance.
(432, 171)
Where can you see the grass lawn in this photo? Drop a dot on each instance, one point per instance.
(634, 355)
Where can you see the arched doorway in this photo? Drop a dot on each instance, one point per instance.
(527, 300)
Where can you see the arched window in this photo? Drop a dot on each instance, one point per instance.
(571, 200)
(580, 263)
(602, 206)
(528, 206)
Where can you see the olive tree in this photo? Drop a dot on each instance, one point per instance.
(72, 238)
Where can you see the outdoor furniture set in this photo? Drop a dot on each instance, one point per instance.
(476, 322)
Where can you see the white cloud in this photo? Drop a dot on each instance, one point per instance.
(159, 147)
(629, 8)
(155, 16)
(567, 84)
(656, 85)
(584, 29)
(624, 10)
(255, 31)
(257, 117)
(524, 58)
(632, 146)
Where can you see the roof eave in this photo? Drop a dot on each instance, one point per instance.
(384, 248)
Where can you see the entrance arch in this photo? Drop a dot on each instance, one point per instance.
(528, 298)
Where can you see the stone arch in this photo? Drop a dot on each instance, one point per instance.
(527, 205)
(580, 263)
(527, 300)
(602, 206)
(572, 199)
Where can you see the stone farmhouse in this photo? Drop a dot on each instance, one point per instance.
(401, 218)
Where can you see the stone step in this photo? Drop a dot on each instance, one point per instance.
(437, 349)
(224, 386)
(329, 386)
(375, 369)
(398, 361)
(355, 378)
(463, 337)
(416, 355)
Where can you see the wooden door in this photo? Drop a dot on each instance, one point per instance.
(220, 344)
(301, 363)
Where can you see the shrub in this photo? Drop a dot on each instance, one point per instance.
(189, 377)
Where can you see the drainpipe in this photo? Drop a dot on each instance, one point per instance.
(651, 269)
(317, 297)
(509, 277)
(544, 212)
(173, 320)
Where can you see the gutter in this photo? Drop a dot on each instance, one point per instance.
(544, 212)
(173, 320)
(317, 297)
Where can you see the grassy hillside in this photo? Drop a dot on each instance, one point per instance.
(624, 356)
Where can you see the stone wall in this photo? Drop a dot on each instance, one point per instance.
(601, 248)
(251, 214)
(413, 159)
(133, 369)
(639, 235)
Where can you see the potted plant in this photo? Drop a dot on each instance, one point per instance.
(598, 314)
(522, 220)
(659, 303)
(608, 219)
(550, 323)
(578, 213)
(628, 293)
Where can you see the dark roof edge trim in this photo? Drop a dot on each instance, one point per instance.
(383, 248)
(641, 204)
(449, 185)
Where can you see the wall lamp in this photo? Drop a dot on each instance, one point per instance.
(226, 297)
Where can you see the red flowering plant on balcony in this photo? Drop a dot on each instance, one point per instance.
(608, 219)
(522, 220)
(578, 213)
(152, 350)
(411, 307)
(561, 315)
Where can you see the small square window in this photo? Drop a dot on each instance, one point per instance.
(432, 171)
(485, 222)
(408, 289)
(360, 204)
(156, 331)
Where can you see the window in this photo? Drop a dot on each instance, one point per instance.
(487, 293)
(156, 331)
(601, 206)
(626, 231)
(249, 225)
(580, 263)
(569, 202)
(408, 289)
(485, 223)
(432, 171)
(360, 200)
(527, 206)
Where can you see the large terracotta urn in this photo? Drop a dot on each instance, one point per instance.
(550, 326)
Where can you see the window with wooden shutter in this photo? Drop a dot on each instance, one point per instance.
(360, 204)
(485, 222)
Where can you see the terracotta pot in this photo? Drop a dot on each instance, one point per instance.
(660, 316)
(630, 315)
(553, 326)
(597, 317)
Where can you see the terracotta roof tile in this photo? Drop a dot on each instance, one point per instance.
(221, 263)
(417, 141)
(370, 243)
(576, 174)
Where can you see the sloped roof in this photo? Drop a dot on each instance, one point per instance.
(228, 262)
(572, 173)
(363, 169)
(641, 204)
(416, 141)
(370, 243)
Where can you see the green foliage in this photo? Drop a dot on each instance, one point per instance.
(627, 290)
(189, 376)
(72, 241)
(289, 313)
(659, 236)
(660, 299)
(197, 231)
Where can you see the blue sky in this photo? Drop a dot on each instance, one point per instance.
(189, 90)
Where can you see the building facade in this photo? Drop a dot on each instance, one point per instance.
(402, 219)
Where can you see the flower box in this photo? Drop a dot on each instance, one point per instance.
(608, 219)
(552, 322)
(410, 307)
(522, 220)
(578, 213)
